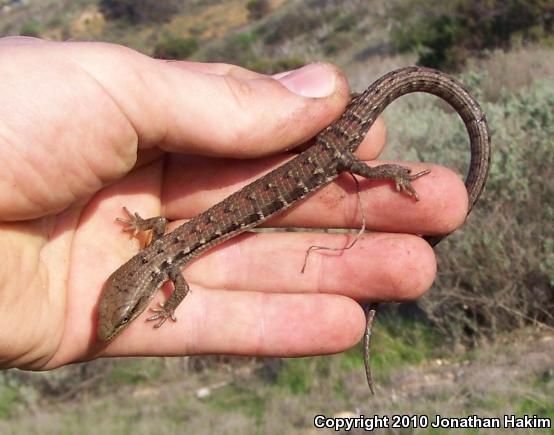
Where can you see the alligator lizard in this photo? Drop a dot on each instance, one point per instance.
(130, 288)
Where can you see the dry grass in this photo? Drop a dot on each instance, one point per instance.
(213, 21)
(514, 70)
(511, 376)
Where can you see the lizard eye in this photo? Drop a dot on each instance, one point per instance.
(124, 320)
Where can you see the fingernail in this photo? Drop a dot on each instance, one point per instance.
(315, 80)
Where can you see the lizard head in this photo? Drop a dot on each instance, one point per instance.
(123, 300)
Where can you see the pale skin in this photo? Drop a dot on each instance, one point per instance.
(88, 128)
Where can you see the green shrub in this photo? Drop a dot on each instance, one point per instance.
(238, 49)
(9, 399)
(495, 274)
(297, 375)
(136, 371)
(31, 28)
(345, 23)
(443, 34)
(274, 66)
(175, 48)
(247, 50)
(237, 399)
(290, 25)
(139, 11)
(258, 9)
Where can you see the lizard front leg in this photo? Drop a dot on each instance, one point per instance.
(167, 309)
(135, 223)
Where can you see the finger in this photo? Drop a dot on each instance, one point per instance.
(380, 266)
(374, 141)
(248, 323)
(442, 207)
(192, 185)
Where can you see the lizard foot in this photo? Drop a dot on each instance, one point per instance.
(162, 314)
(133, 222)
(403, 179)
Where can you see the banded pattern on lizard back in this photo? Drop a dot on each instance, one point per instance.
(130, 288)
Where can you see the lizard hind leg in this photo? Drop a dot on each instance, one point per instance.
(401, 175)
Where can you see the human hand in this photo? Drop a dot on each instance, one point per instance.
(86, 128)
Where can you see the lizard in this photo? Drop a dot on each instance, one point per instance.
(129, 290)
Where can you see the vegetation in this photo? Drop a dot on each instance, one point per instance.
(506, 248)
(143, 11)
(175, 47)
(238, 398)
(258, 9)
(9, 398)
(31, 28)
(445, 34)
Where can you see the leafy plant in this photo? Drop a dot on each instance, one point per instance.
(31, 28)
(141, 11)
(506, 246)
(444, 34)
(258, 9)
(175, 47)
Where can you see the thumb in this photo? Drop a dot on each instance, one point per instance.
(74, 115)
(216, 109)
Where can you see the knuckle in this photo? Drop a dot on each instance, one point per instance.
(244, 120)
